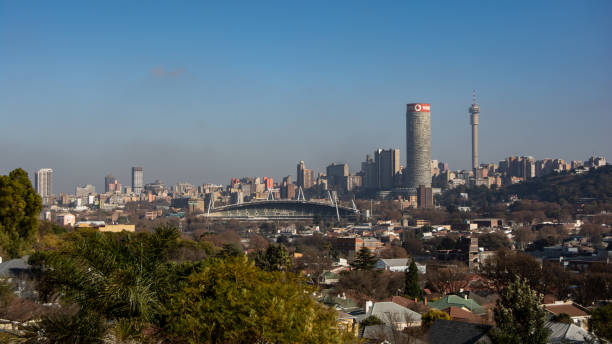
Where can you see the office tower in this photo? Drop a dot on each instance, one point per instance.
(44, 182)
(370, 173)
(424, 197)
(387, 166)
(109, 183)
(418, 145)
(336, 174)
(474, 111)
(305, 176)
(137, 180)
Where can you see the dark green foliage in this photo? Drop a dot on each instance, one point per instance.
(274, 258)
(601, 322)
(493, 241)
(65, 328)
(561, 318)
(412, 289)
(19, 209)
(230, 250)
(364, 260)
(371, 320)
(519, 316)
(431, 316)
(116, 276)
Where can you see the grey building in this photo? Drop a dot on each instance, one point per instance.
(336, 174)
(387, 167)
(418, 145)
(137, 180)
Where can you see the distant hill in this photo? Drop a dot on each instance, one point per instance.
(567, 187)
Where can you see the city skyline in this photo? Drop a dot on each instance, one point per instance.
(322, 95)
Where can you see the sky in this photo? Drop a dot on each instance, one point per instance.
(204, 91)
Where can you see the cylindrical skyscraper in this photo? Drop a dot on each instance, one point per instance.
(474, 111)
(418, 146)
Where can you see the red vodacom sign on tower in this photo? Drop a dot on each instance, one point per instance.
(418, 107)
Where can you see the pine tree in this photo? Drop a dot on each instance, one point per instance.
(412, 288)
(520, 316)
(364, 260)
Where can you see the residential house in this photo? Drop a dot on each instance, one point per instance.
(460, 302)
(579, 314)
(399, 265)
(457, 332)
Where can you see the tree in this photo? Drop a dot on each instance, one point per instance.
(364, 260)
(274, 258)
(117, 280)
(562, 318)
(19, 209)
(520, 316)
(431, 316)
(394, 252)
(448, 279)
(412, 289)
(493, 241)
(505, 266)
(233, 301)
(371, 320)
(601, 322)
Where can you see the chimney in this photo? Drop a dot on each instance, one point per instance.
(368, 306)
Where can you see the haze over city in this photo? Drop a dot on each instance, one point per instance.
(202, 93)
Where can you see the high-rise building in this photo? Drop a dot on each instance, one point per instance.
(44, 182)
(336, 174)
(370, 173)
(418, 146)
(305, 176)
(387, 166)
(137, 180)
(109, 183)
(474, 114)
(424, 197)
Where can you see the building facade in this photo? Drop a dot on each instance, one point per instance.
(418, 145)
(137, 180)
(44, 182)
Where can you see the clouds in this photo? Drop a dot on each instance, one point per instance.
(161, 73)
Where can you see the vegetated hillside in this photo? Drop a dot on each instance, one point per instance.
(567, 187)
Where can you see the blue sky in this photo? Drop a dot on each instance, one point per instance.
(201, 92)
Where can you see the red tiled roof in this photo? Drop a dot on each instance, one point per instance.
(566, 308)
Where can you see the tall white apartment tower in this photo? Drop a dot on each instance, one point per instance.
(44, 182)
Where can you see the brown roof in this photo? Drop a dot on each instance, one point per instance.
(566, 308)
(460, 314)
(400, 300)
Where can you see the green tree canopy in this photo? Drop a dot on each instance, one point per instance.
(431, 316)
(520, 316)
(19, 209)
(233, 301)
(413, 289)
(601, 322)
(119, 279)
(365, 260)
(274, 258)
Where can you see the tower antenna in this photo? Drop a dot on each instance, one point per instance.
(474, 96)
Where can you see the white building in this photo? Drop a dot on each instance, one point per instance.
(399, 265)
(44, 182)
